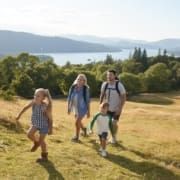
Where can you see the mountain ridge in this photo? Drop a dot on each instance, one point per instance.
(168, 43)
(16, 42)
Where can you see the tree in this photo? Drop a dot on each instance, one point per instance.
(66, 82)
(23, 85)
(132, 66)
(109, 60)
(165, 52)
(175, 68)
(131, 83)
(158, 78)
(144, 60)
(137, 54)
(101, 71)
(8, 70)
(46, 75)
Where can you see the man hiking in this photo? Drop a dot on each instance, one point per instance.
(114, 93)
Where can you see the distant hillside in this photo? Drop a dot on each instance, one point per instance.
(109, 41)
(16, 42)
(167, 43)
(117, 42)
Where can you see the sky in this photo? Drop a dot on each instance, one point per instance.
(149, 20)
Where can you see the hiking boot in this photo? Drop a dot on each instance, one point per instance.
(44, 157)
(35, 146)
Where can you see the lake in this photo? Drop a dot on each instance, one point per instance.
(84, 58)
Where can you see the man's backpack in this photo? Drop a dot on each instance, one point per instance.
(117, 89)
(84, 90)
(116, 86)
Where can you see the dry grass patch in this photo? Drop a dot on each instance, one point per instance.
(148, 146)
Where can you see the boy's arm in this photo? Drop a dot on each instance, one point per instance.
(92, 122)
(23, 110)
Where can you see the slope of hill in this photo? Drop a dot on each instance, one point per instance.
(148, 146)
(16, 42)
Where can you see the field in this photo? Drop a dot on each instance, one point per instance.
(148, 145)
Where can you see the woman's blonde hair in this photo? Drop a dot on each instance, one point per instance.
(81, 76)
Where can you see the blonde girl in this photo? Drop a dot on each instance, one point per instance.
(41, 120)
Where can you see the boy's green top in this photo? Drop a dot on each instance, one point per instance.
(103, 122)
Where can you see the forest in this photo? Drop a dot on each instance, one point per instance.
(22, 74)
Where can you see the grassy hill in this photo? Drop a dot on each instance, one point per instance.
(148, 146)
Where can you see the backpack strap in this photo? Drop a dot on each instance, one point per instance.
(84, 92)
(104, 92)
(106, 85)
(117, 88)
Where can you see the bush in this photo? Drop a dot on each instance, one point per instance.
(131, 83)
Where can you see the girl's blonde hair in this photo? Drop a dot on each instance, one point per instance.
(81, 76)
(47, 95)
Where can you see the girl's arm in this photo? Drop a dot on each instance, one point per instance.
(88, 102)
(88, 111)
(23, 110)
(68, 107)
(50, 120)
(49, 111)
(71, 89)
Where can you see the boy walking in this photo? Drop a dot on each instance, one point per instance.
(104, 124)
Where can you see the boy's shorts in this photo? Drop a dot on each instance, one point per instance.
(103, 135)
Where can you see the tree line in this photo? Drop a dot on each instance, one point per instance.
(22, 74)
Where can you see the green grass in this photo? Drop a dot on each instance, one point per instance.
(148, 146)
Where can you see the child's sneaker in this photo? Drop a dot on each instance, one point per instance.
(103, 153)
(100, 149)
